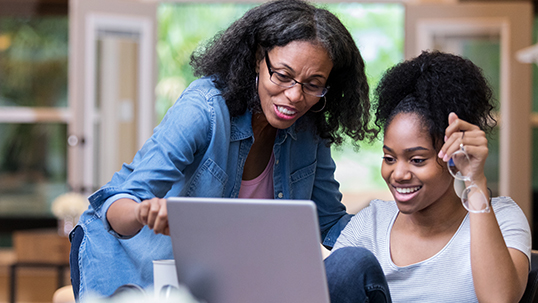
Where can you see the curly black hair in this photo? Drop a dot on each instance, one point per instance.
(231, 57)
(432, 85)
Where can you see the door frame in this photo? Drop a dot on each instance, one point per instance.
(86, 19)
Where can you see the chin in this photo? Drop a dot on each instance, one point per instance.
(406, 208)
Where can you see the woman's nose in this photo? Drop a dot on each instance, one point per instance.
(295, 93)
(401, 172)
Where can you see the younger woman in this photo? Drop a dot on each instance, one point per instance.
(437, 242)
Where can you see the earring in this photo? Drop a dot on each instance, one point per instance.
(257, 80)
(319, 110)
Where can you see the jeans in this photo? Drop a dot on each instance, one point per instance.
(355, 276)
(75, 237)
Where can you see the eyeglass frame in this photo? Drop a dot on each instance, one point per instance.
(293, 81)
(471, 185)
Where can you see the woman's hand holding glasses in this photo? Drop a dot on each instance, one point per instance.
(465, 150)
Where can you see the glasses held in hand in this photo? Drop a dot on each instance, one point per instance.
(472, 197)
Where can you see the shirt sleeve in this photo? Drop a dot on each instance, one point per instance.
(350, 236)
(513, 224)
(162, 159)
(104, 209)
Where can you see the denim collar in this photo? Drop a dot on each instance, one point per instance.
(241, 128)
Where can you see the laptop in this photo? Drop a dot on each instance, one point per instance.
(248, 250)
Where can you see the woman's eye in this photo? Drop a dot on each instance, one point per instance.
(417, 160)
(388, 159)
(282, 78)
(312, 87)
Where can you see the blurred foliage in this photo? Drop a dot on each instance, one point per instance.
(182, 28)
(33, 73)
(378, 30)
(33, 61)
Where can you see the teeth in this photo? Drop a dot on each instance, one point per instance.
(286, 111)
(407, 190)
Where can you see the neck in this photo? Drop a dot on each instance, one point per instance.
(261, 149)
(261, 128)
(441, 217)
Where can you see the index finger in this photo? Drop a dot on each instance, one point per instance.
(454, 135)
(161, 220)
(455, 124)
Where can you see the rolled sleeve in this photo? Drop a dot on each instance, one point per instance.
(103, 210)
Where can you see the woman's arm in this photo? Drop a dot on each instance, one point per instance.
(127, 216)
(499, 273)
(158, 166)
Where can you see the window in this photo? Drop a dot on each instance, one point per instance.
(33, 110)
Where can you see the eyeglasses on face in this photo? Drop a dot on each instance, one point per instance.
(287, 82)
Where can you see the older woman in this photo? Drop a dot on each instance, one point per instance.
(278, 87)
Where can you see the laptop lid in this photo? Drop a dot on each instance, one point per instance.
(248, 250)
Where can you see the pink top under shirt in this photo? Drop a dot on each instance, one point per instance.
(260, 187)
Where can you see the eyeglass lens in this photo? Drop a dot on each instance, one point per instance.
(459, 166)
(474, 200)
(287, 82)
(472, 197)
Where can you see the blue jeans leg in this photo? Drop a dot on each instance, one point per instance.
(355, 276)
(76, 237)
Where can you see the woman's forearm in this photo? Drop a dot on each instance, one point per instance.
(499, 274)
(121, 216)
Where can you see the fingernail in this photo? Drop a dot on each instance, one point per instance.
(441, 154)
(446, 138)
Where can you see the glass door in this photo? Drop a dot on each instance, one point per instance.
(112, 82)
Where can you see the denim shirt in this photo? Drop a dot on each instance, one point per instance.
(198, 150)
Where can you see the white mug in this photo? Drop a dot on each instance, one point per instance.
(164, 276)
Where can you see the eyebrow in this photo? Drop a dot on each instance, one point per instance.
(407, 150)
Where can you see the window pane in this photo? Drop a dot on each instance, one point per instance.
(33, 61)
(33, 168)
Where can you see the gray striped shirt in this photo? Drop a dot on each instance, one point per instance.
(446, 276)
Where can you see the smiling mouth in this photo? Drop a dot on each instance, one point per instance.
(285, 110)
(407, 190)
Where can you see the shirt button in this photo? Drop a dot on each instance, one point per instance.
(280, 195)
(277, 161)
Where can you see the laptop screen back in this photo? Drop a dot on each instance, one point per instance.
(248, 250)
